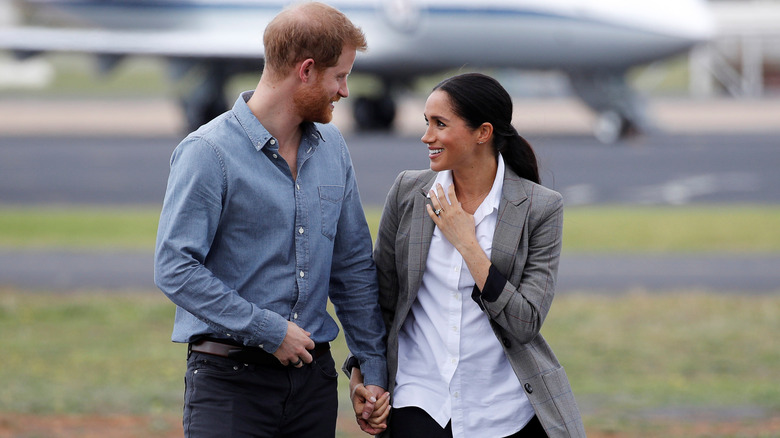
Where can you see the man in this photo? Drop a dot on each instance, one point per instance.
(261, 224)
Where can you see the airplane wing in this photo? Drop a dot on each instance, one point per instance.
(173, 44)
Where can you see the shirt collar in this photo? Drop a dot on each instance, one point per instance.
(491, 202)
(258, 135)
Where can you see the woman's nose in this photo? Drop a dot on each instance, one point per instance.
(427, 138)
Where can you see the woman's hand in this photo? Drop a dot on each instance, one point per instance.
(371, 404)
(458, 227)
(456, 224)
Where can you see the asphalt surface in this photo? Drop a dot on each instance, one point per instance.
(610, 273)
(718, 165)
(655, 169)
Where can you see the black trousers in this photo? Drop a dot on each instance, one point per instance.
(413, 422)
(226, 398)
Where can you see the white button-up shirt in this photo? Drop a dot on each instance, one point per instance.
(450, 362)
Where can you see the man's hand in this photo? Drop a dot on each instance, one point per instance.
(295, 346)
(371, 404)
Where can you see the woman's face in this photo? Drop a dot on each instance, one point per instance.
(451, 142)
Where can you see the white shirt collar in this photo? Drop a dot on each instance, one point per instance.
(492, 200)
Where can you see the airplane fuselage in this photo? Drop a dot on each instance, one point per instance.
(593, 41)
(409, 36)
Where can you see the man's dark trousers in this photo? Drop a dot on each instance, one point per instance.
(226, 398)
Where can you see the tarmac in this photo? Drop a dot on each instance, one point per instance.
(121, 271)
(35, 270)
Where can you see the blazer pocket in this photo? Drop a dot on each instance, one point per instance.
(561, 407)
(331, 198)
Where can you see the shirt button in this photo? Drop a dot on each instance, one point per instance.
(273, 141)
(454, 328)
(295, 316)
(300, 230)
(261, 345)
(298, 186)
(301, 274)
(275, 156)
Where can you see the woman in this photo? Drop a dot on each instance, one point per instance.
(467, 255)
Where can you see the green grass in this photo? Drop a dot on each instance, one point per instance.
(735, 229)
(78, 75)
(742, 228)
(92, 228)
(681, 348)
(628, 357)
(640, 364)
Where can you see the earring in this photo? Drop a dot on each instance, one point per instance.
(480, 142)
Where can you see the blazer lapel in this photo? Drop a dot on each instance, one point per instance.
(420, 236)
(512, 213)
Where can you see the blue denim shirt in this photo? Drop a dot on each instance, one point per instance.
(242, 248)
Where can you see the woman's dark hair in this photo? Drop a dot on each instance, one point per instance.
(477, 98)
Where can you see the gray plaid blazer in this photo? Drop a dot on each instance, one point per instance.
(526, 249)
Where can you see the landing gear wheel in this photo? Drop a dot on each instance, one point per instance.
(608, 127)
(611, 127)
(374, 113)
(198, 113)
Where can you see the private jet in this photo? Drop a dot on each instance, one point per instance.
(594, 42)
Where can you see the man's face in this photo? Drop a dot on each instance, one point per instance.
(315, 100)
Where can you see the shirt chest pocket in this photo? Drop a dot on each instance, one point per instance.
(331, 198)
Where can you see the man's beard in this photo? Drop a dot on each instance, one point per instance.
(313, 104)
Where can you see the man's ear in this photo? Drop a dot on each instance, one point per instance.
(306, 70)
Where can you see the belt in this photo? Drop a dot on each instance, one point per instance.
(253, 355)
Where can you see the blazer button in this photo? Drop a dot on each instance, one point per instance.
(528, 388)
(506, 342)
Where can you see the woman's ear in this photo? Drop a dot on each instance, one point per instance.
(484, 133)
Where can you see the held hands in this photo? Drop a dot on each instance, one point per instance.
(295, 346)
(371, 404)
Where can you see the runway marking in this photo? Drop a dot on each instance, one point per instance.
(579, 194)
(684, 190)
